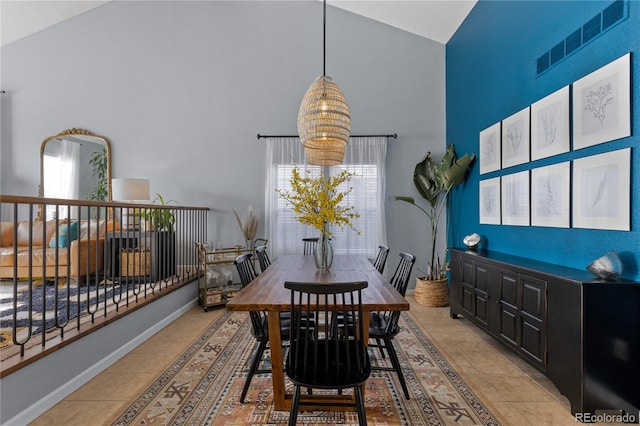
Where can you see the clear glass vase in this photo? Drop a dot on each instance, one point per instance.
(323, 253)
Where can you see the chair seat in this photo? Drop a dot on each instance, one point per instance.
(341, 371)
(378, 323)
(263, 331)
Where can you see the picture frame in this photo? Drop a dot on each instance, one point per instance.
(602, 104)
(516, 138)
(489, 196)
(489, 144)
(550, 195)
(515, 199)
(602, 191)
(550, 133)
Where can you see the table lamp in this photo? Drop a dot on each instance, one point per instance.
(131, 190)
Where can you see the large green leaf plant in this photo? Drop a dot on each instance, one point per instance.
(434, 182)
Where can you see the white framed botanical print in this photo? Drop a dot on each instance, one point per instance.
(515, 139)
(602, 104)
(515, 199)
(601, 191)
(550, 125)
(550, 189)
(490, 201)
(490, 149)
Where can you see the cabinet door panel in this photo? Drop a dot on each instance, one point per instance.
(509, 325)
(533, 296)
(509, 289)
(481, 278)
(481, 307)
(481, 292)
(467, 300)
(467, 272)
(532, 339)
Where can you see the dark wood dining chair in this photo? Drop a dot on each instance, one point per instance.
(263, 257)
(259, 325)
(310, 245)
(319, 357)
(381, 258)
(383, 325)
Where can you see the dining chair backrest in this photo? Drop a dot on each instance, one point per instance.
(246, 270)
(399, 281)
(381, 258)
(315, 358)
(247, 273)
(309, 245)
(400, 278)
(263, 257)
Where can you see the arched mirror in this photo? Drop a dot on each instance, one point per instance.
(75, 164)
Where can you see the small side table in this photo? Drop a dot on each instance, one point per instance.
(160, 245)
(113, 245)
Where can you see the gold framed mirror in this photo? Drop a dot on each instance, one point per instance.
(75, 164)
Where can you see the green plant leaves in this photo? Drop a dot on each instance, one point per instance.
(434, 182)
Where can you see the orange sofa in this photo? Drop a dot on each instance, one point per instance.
(84, 254)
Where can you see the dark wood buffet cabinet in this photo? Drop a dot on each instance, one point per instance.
(582, 333)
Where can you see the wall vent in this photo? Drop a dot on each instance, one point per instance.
(596, 26)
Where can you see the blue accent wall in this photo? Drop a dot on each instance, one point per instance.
(493, 70)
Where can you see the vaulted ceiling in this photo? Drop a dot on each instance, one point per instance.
(433, 19)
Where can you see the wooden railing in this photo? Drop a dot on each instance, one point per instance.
(68, 267)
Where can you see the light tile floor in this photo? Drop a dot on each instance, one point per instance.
(514, 391)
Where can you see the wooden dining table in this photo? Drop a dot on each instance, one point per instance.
(267, 293)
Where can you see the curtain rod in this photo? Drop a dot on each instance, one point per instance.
(394, 136)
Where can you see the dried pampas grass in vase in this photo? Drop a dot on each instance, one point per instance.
(248, 226)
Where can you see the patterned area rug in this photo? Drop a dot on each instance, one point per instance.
(204, 384)
(49, 306)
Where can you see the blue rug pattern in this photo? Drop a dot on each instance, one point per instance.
(37, 305)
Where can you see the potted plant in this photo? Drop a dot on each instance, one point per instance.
(159, 219)
(249, 227)
(434, 183)
(160, 222)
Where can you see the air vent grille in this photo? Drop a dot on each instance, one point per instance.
(603, 21)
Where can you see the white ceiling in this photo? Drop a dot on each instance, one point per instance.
(433, 19)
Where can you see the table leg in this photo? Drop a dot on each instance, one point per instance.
(277, 363)
(365, 326)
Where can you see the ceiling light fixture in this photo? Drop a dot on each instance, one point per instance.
(324, 122)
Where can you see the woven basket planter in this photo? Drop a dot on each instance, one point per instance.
(432, 293)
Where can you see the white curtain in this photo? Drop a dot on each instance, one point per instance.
(365, 157)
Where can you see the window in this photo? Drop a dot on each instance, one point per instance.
(365, 159)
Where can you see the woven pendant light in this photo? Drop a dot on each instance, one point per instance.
(324, 121)
(326, 156)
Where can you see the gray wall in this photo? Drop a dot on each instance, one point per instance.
(182, 88)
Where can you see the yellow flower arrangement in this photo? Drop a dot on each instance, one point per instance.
(316, 201)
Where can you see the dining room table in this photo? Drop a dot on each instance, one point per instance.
(267, 293)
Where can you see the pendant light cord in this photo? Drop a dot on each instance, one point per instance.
(324, 38)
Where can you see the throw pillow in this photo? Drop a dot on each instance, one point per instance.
(66, 234)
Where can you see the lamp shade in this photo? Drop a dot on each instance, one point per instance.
(325, 157)
(130, 189)
(324, 121)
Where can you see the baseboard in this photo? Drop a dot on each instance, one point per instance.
(41, 406)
